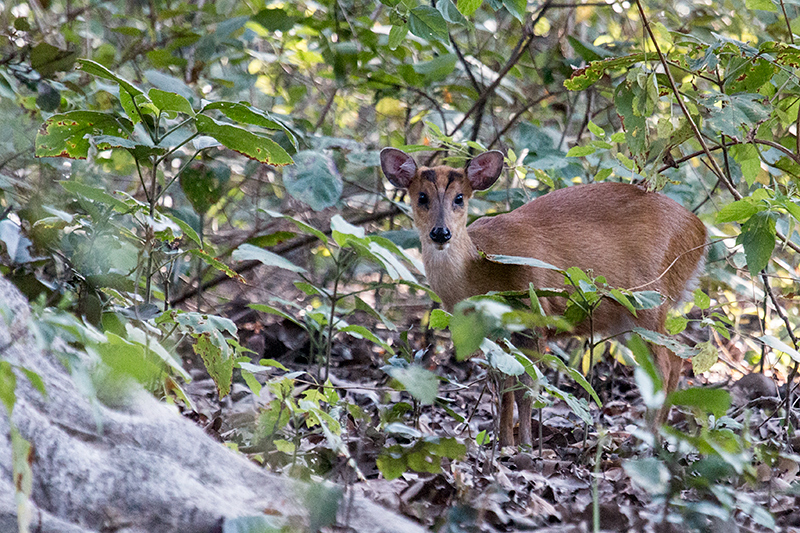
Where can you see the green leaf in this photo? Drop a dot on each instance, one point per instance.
(246, 143)
(167, 101)
(438, 68)
(396, 35)
(422, 384)
(597, 130)
(275, 311)
(248, 252)
(96, 69)
(450, 12)
(247, 114)
(314, 180)
(705, 359)
(216, 263)
(204, 184)
(360, 332)
(8, 386)
(185, 228)
(67, 134)
(619, 297)
(218, 362)
(763, 5)
(500, 359)
(440, 319)
(635, 124)
(275, 19)
(170, 84)
(581, 151)
(392, 464)
(468, 7)
(676, 324)
(426, 22)
(517, 260)
(701, 299)
(737, 211)
(734, 115)
(650, 474)
(758, 239)
(680, 349)
(96, 195)
(516, 8)
(713, 401)
(302, 226)
(587, 76)
(777, 344)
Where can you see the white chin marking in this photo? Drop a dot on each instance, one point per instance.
(441, 247)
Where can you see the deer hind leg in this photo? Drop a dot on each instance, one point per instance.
(524, 410)
(506, 396)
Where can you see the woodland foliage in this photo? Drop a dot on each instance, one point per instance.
(164, 164)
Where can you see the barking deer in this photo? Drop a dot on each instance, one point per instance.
(633, 237)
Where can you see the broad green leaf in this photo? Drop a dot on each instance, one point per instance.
(139, 151)
(96, 69)
(619, 297)
(218, 362)
(170, 84)
(650, 474)
(678, 348)
(250, 524)
(96, 195)
(185, 228)
(360, 332)
(763, 5)
(676, 324)
(167, 101)
(737, 211)
(701, 299)
(713, 401)
(314, 180)
(47, 59)
(302, 226)
(67, 134)
(275, 19)
(204, 184)
(396, 35)
(342, 230)
(581, 151)
(500, 359)
(426, 22)
(777, 344)
(248, 252)
(439, 319)
(647, 299)
(422, 384)
(438, 68)
(468, 7)
(275, 311)
(131, 359)
(517, 260)
(736, 114)
(635, 124)
(597, 130)
(588, 51)
(246, 143)
(705, 359)
(247, 114)
(516, 8)
(758, 240)
(450, 12)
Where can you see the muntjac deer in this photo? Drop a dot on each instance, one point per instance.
(635, 238)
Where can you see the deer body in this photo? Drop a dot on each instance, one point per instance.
(636, 239)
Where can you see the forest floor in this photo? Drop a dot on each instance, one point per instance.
(557, 485)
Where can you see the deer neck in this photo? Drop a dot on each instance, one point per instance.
(452, 269)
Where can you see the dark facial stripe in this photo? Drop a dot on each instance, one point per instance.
(429, 175)
(452, 176)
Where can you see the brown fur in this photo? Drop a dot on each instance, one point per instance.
(637, 239)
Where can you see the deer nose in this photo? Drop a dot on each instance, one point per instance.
(440, 235)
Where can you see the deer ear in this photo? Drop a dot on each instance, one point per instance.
(484, 170)
(398, 167)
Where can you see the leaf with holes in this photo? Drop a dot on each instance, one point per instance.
(734, 115)
(67, 134)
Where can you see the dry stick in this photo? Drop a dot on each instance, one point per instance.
(699, 136)
(281, 249)
(513, 120)
(790, 380)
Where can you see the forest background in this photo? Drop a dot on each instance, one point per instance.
(191, 192)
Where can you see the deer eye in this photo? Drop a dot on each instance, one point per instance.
(459, 199)
(423, 199)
